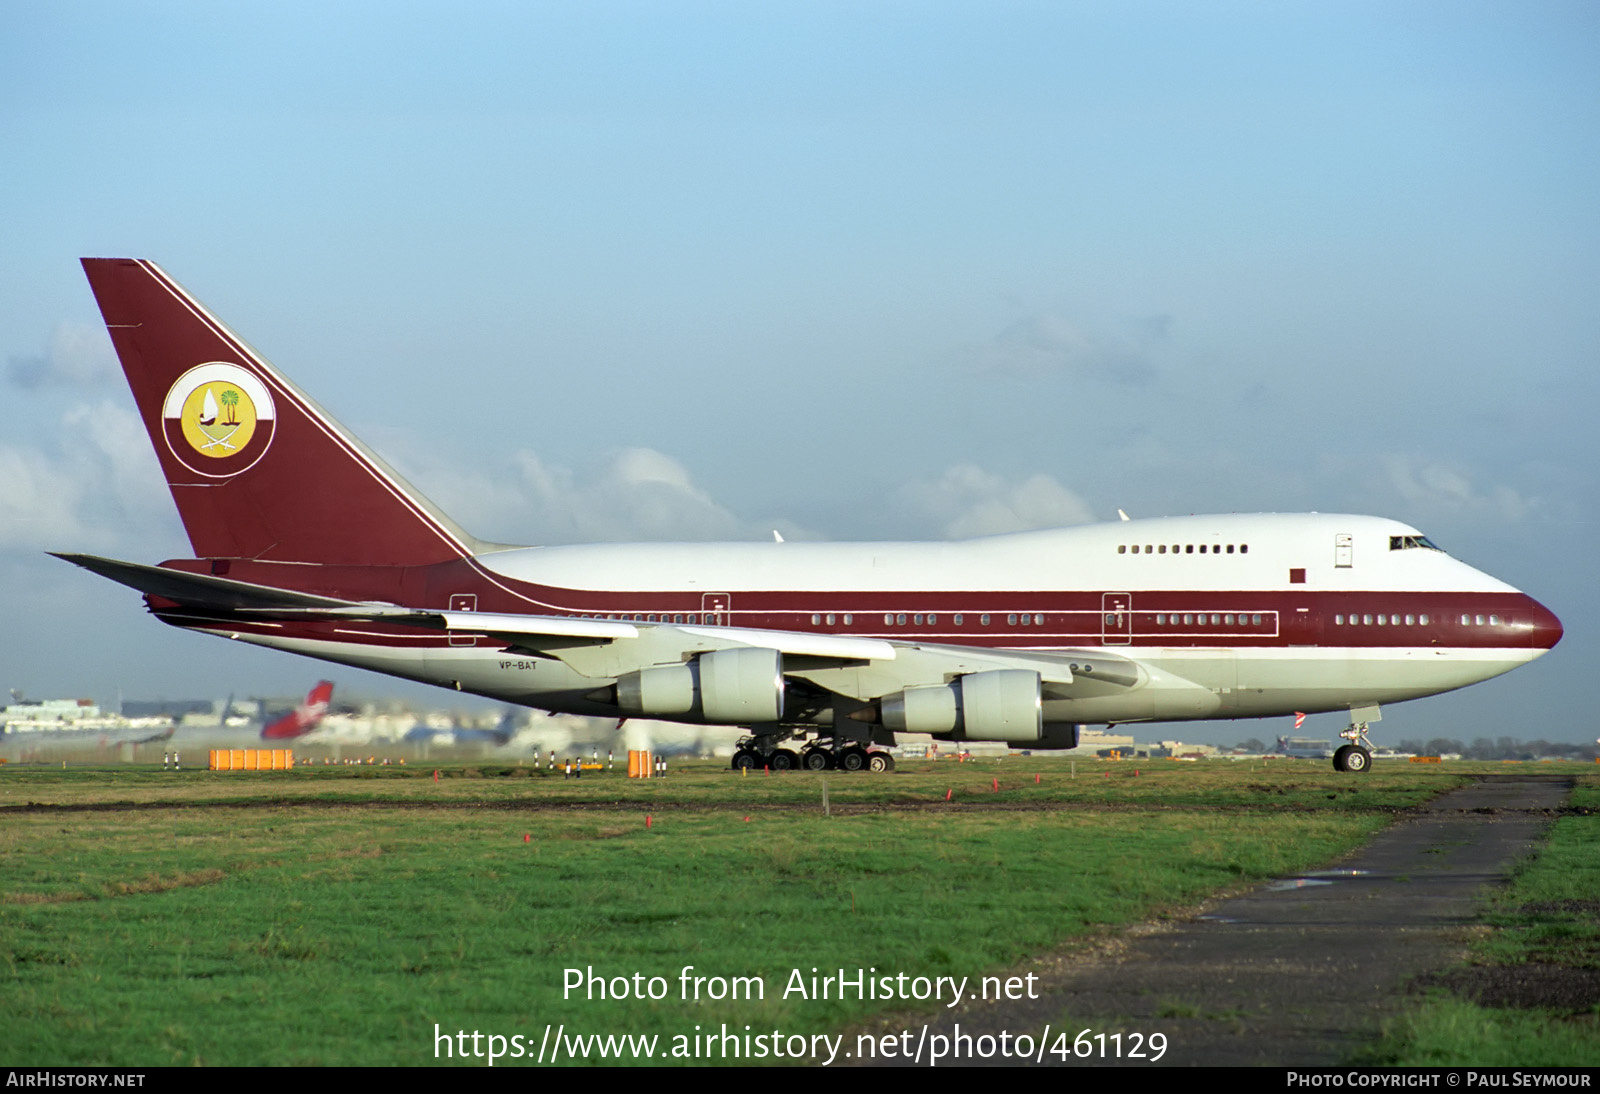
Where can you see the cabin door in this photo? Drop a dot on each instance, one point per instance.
(716, 609)
(463, 602)
(1116, 619)
(1343, 549)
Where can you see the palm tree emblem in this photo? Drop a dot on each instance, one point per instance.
(217, 419)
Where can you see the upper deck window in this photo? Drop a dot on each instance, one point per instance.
(1212, 549)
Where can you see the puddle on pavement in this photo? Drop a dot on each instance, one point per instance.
(1308, 880)
(1316, 877)
(1295, 883)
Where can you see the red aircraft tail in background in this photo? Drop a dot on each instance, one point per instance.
(304, 718)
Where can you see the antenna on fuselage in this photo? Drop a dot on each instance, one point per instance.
(1123, 515)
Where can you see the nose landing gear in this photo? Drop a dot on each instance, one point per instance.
(1357, 755)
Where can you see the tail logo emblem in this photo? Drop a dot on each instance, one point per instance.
(218, 419)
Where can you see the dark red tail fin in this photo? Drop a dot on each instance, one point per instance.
(259, 470)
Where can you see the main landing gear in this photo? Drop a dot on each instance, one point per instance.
(755, 753)
(1357, 755)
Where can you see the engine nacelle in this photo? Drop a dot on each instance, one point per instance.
(739, 686)
(1002, 705)
(660, 689)
(1059, 736)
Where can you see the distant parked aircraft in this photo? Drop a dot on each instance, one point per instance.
(303, 718)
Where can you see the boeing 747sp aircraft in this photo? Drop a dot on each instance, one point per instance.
(306, 541)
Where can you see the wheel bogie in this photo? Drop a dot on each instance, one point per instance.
(757, 754)
(853, 758)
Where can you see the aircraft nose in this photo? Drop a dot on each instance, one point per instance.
(1547, 629)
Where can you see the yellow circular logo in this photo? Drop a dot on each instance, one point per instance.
(222, 412)
(219, 418)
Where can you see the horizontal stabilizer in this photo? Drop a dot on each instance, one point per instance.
(199, 590)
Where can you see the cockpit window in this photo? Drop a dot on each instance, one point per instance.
(1405, 543)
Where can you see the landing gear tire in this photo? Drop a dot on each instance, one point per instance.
(880, 761)
(746, 759)
(853, 758)
(1352, 758)
(782, 759)
(816, 759)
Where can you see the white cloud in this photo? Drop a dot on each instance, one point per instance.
(1435, 487)
(968, 501)
(76, 355)
(633, 494)
(97, 487)
(39, 500)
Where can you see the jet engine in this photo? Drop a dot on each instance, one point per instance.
(739, 686)
(1001, 705)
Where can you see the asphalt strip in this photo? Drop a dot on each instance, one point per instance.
(1299, 972)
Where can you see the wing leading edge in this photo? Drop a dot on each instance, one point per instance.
(672, 670)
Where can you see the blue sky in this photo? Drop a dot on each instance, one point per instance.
(696, 271)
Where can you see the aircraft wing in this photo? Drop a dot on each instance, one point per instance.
(221, 595)
(866, 671)
(541, 632)
(606, 648)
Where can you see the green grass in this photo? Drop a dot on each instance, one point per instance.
(1450, 1032)
(1548, 915)
(334, 915)
(1022, 781)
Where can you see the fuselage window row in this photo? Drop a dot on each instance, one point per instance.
(931, 619)
(1217, 619)
(1367, 620)
(1183, 548)
(692, 618)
